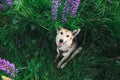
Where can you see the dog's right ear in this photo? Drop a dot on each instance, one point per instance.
(76, 32)
(58, 29)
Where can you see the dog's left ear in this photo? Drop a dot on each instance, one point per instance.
(75, 32)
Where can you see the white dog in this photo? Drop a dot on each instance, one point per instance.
(67, 46)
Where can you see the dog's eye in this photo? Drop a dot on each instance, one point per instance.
(61, 33)
(67, 35)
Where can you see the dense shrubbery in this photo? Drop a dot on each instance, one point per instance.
(27, 39)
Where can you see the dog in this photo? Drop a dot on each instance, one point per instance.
(67, 46)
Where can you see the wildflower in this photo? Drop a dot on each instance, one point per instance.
(55, 5)
(8, 2)
(1, 7)
(66, 10)
(6, 78)
(75, 4)
(5, 3)
(8, 67)
(55, 9)
(69, 6)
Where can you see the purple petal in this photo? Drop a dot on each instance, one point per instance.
(54, 9)
(75, 5)
(1, 7)
(7, 67)
(66, 10)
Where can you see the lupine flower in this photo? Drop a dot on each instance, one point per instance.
(8, 2)
(8, 67)
(55, 5)
(5, 3)
(55, 9)
(66, 10)
(69, 6)
(75, 4)
(1, 7)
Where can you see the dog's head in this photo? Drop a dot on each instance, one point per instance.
(65, 36)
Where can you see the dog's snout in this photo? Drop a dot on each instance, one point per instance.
(61, 41)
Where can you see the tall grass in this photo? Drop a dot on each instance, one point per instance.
(27, 39)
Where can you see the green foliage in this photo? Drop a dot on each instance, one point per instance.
(27, 33)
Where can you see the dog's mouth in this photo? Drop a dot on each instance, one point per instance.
(60, 45)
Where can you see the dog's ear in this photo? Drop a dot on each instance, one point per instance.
(58, 29)
(75, 32)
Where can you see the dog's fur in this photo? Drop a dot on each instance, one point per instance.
(67, 46)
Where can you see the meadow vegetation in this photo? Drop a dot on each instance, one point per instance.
(27, 39)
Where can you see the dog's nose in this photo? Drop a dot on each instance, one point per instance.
(61, 41)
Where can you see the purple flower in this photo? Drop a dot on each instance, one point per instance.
(66, 10)
(55, 9)
(1, 7)
(69, 6)
(8, 2)
(75, 4)
(5, 3)
(8, 67)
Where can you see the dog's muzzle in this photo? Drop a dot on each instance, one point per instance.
(60, 45)
(60, 41)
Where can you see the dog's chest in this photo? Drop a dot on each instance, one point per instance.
(64, 48)
(63, 53)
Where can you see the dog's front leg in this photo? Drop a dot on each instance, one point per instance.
(57, 56)
(75, 53)
(63, 59)
(72, 56)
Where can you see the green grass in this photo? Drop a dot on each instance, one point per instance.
(27, 33)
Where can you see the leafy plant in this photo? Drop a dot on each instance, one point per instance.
(27, 39)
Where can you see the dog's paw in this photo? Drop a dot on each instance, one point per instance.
(62, 66)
